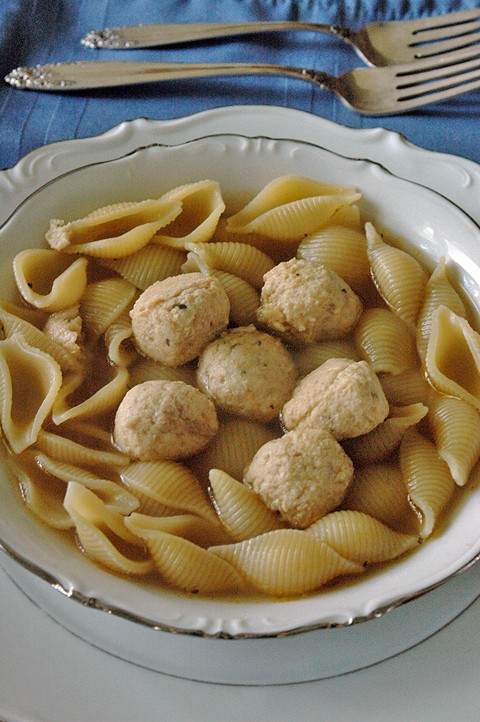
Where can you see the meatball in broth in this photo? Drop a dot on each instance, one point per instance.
(164, 420)
(303, 302)
(247, 372)
(174, 319)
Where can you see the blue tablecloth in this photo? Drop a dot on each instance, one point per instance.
(40, 31)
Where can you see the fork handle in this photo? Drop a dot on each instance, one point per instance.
(89, 74)
(144, 36)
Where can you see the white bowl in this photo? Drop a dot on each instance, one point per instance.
(428, 222)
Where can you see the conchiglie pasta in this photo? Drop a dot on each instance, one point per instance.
(189, 526)
(49, 280)
(202, 206)
(408, 387)
(239, 259)
(146, 369)
(438, 292)
(286, 562)
(233, 447)
(120, 349)
(113, 494)
(455, 425)
(188, 567)
(385, 341)
(103, 535)
(241, 511)
(343, 250)
(452, 359)
(308, 358)
(169, 484)
(150, 264)
(112, 231)
(12, 324)
(361, 538)
(427, 477)
(380, 443)
(73, 452)
(29, 382)
(290, 207)
(348, 217)
(398, 276)
(105, 398)
(103, 302)
(379, 490)
(33, 316)
(42, 494)
(244, 298)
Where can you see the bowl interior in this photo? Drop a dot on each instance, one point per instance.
(423, 221)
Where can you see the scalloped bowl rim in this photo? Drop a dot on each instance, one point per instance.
(428, 222)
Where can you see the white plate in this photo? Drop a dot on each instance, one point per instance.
(58, 158)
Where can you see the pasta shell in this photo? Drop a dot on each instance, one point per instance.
(33, 316)
(42, 495)
(115, 230)
(113, 494)
(148, 370)
(427, 477)
(240, 510)
(78, 454)
(49, 280)
(102, 533)
(239, 259)
(12, 324)
(186, 566)
(385, 341)
(234, 446)
(29, 382)
(103, 302)
(286, 562)
(452, 360)
(349, 217)
(456, 431)
(202, 206)
(343, 250)
(104, 399)
(380, 443)
(169, 484)
(188, 526)
(438, 292)
(361, 538)
(152, 263)
(244, 298)
(120, 351)
(290, 207)
(408, 387)
(398, 276)
(276, 251)
(379, 490)
(308, 358)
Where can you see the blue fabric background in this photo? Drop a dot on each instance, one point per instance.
(40, 31)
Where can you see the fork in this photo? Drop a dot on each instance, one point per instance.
(369, 91)
(381, 43)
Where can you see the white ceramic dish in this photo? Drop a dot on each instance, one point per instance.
(430, 225)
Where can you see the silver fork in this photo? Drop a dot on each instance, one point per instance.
(382, 43)
(370, 91)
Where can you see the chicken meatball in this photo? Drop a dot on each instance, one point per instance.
(341, 395)
(303, 302)
(302, 475)
(247, 372)
(174, 319)
(164, 420)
